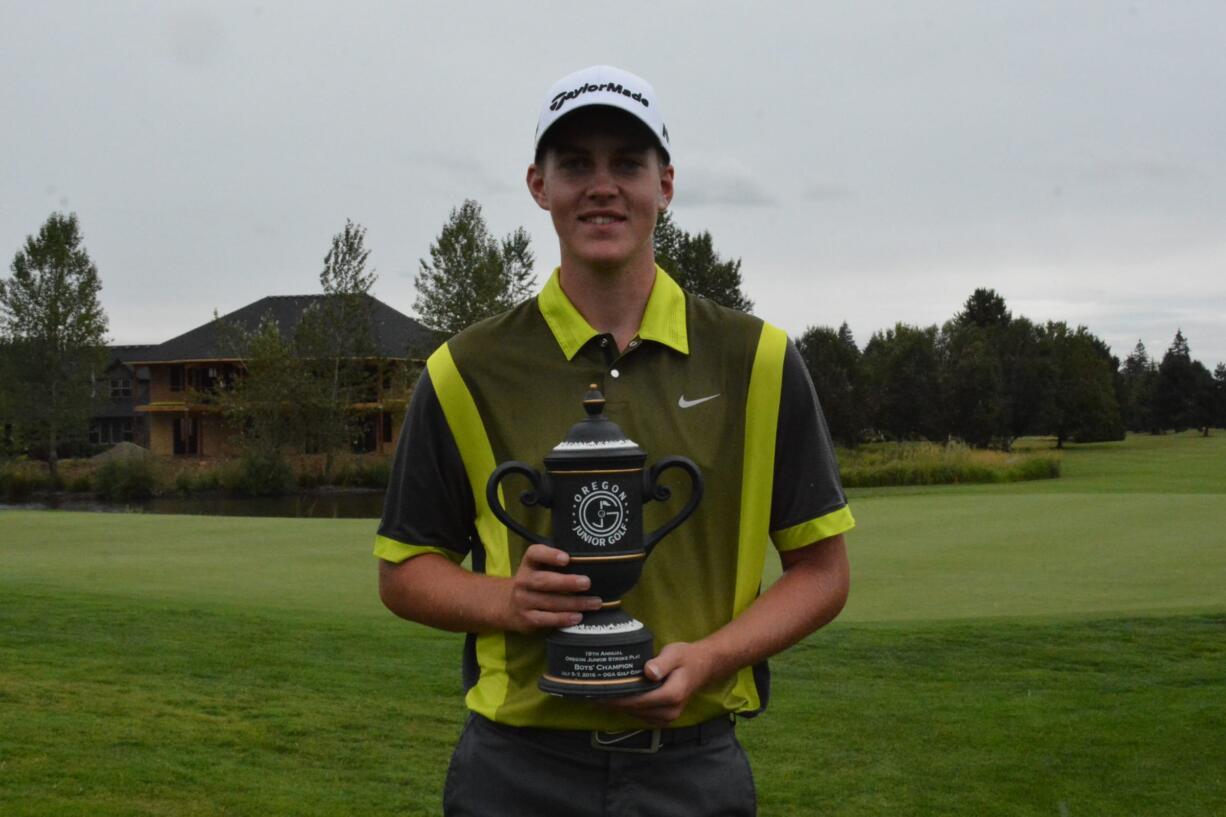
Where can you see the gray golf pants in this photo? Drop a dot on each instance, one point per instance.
(501, 771)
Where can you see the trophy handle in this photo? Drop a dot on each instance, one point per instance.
(652, 489)
(539, 495)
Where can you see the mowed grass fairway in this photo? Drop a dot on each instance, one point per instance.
(1048, 648)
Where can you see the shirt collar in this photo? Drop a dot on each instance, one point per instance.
(663, 320)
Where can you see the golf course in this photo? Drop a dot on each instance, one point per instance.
(1055, 647)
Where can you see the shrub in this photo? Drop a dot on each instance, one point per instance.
(310, 479)
(17, 484)
(125, 480)
(258, 474)
(206, 481)
(366, 473)
(80, 484)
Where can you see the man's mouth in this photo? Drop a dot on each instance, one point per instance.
(600, 219)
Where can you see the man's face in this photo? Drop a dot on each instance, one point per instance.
(603, 182)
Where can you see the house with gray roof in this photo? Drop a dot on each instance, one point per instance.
(168, 383)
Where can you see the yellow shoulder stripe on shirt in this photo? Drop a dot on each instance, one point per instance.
(466, 426)
(394, 551)
(815, 530)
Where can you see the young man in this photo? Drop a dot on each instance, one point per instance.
(681, 376)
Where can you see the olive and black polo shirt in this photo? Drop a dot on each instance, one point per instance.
(720, 387)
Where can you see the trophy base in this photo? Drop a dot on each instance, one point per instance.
(602, 657)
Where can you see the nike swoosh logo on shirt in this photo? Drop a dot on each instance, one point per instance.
(683, 403)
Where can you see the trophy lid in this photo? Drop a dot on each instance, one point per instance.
(596, 440)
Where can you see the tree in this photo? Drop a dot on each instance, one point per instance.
(984, 309)
(1023, 371)
(1219, 400)
(904, 397)
(1139, 376)
(833, 361)
(54, 328)
(1178, 402)
(1204, 398)
(272, 406)
(471, 275)
(334, 341)
(974, 385)
(697, 267)
(1079, 400)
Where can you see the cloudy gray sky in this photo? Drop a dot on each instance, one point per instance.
(868, 162)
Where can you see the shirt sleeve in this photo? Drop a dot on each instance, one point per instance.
(807, 503)
(429, 506)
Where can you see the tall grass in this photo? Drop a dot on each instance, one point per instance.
(136, 479)
(881, 464)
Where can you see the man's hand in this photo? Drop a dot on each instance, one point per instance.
(435, 591)
(685, 668)
(541, 598)
(811, 592)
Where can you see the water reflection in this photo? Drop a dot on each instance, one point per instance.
(347, 505)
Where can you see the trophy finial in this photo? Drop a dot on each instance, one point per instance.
(593, 401)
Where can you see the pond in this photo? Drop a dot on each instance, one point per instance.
(329, 505)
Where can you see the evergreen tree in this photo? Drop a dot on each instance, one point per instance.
(1219, 400)
(1204, 398)
(1175, 398)
(985, 308)
(833, 361)
(1139, 383)
(54, 329)
(693, 262)
(470, 274)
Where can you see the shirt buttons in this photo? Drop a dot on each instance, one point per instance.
(604, 341)
(615, 373)
(634, 343)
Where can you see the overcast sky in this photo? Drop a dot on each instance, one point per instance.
(868, 162)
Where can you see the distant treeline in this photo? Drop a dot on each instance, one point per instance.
(987, 378)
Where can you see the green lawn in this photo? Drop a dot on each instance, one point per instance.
(1032, 649)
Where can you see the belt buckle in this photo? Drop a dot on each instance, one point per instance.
(613, 741)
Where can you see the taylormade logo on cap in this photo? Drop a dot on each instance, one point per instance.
(604, 85)
(611, 87)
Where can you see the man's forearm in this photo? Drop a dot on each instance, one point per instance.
(434, 591)
(809, 594)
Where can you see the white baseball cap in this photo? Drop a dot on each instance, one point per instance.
(604, 85)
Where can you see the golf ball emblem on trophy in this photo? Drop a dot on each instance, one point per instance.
(595, 484)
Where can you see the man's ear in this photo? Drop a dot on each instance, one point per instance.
(666, 188)
(536, 185)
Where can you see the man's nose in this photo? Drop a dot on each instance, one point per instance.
(602, 182)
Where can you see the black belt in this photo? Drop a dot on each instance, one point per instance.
(642, 741)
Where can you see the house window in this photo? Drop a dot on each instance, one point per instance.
(176, 378)
(186, 435)
(387, 427)
(110, 430)
(121, 387)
